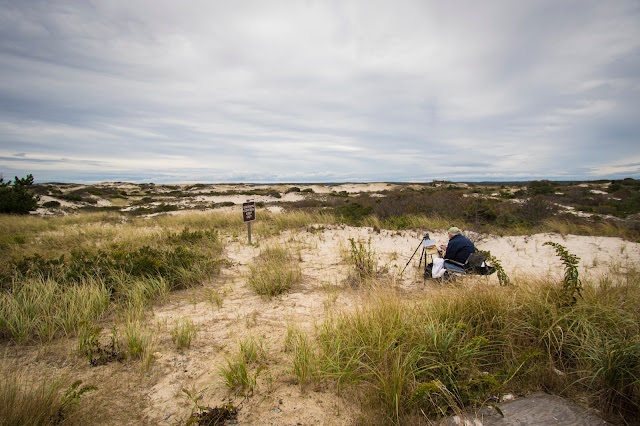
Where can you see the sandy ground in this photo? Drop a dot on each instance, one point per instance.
(128, 394)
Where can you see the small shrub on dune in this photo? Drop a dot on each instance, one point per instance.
(353, 213)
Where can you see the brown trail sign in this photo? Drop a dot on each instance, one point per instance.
(249, 215)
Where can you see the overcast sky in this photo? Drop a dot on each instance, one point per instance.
(319, 91)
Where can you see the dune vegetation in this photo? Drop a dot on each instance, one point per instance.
(93, 277)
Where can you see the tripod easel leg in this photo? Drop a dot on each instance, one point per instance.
(414, 253)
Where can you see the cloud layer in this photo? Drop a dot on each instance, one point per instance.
(310, 91)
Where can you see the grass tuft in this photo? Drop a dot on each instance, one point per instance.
(183, 332)
(24, 402)
(274, 272)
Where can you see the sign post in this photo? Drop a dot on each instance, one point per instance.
(249, 215)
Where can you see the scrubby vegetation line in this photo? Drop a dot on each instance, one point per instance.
(608, 207)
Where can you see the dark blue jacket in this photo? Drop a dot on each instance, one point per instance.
(459, 248)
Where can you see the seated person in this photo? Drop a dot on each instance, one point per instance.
(459, 247)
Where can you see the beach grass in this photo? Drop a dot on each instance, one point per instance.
(73, 270)
(274, 271)
(459, 347)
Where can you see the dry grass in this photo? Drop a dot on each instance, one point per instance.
(41, 308)
(438, 354)
(274, 272)
(40, 402)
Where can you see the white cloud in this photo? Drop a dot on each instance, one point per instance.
(323, 89)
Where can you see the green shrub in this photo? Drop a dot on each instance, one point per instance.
(353, 213)
(17, 198)
(541, 187)
(273, 193)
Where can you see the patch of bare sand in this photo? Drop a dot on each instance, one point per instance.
(128, 394)
(351, 188)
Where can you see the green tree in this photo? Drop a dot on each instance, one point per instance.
(17, 198)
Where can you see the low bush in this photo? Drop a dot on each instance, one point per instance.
(353, 213)
(51, 204)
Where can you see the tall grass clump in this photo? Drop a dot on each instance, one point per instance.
(140, 342)
(393, 352)
(24, 402)
(183, 332)
(303, 357)
(242, 369)
(362, 261)
(274, 271)
(436, 355)
(42, 308)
